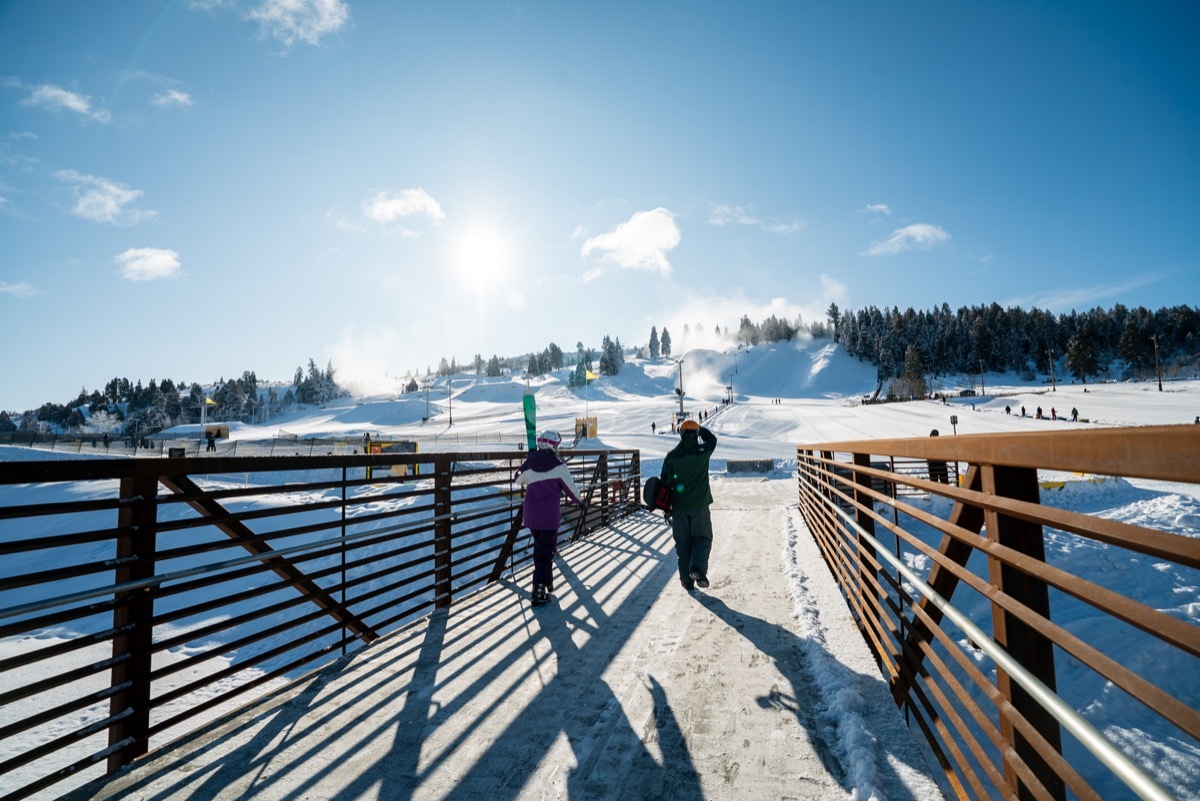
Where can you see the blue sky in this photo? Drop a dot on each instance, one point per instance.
(194, 189)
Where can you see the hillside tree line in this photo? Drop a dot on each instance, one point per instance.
(123, 407)
(1026, 342)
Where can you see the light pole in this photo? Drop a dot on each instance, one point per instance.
(427, 384)
(1157, 369)
(450, 399)
(1050, 356)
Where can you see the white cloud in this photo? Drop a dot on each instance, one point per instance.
(879, 208)
(340, 220)
(640, 244)
(724, 214)
(292, 21)
(21, 289)
(173, 97)
(919, 236)
(1063, 300)
(388, 207)
(148, 264)
(102, 200)
(721, 214)
(55, 98)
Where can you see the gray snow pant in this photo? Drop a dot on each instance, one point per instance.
(692, 529)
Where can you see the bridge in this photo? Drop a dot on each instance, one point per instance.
(386, 649)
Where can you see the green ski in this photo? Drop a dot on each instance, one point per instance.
(530, 421)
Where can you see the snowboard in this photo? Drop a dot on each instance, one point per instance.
(655, 495)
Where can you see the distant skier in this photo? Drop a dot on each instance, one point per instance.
(546, 479)
(939, 471)
(1074, 415)
(685, 471)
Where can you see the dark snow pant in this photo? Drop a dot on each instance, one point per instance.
(692, 529)
(544, 543)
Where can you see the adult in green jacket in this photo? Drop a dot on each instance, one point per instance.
(685, 471)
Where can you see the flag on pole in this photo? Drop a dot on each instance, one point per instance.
(209, 402)
(590, 375)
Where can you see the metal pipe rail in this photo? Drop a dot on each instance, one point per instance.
(986, 701)
(140, 598)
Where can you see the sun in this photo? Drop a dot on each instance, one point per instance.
(481, 255)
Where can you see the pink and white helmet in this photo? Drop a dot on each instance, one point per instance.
(549, 441)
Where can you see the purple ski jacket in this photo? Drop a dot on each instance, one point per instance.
(545, 479)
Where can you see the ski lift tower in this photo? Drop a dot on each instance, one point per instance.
(679, 389)
(426, 385)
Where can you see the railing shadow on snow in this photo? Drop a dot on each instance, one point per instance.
(418, 678)
(913, 556)
(141, 598)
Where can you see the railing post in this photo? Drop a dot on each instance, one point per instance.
(602, 476)
(1031, 649)
(862, 503)
(443, 474)
(133, 620)
(635, 478)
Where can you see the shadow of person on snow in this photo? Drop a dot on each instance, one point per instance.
(788, 651)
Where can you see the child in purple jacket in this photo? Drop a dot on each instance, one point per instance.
(545, 478)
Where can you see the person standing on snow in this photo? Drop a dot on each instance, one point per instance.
(685, 471)
(545, 478)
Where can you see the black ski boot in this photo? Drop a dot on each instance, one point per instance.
(541, 595)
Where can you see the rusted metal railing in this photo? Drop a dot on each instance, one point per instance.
(140, 598)
(954, 587)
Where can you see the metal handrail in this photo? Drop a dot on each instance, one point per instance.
(1142, 783)
(456, 528)
(848, 490)
(217, 567)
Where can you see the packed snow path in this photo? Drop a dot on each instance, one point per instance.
(624, 687)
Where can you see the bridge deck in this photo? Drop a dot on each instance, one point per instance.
(625, 687)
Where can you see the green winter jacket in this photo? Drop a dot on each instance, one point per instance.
(685, 470)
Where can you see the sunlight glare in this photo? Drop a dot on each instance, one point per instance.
(482, 255)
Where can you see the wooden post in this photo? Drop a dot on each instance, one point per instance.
(133, 620)
(1028, 647)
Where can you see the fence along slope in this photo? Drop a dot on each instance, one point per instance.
(868, 505)
(139, 598)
